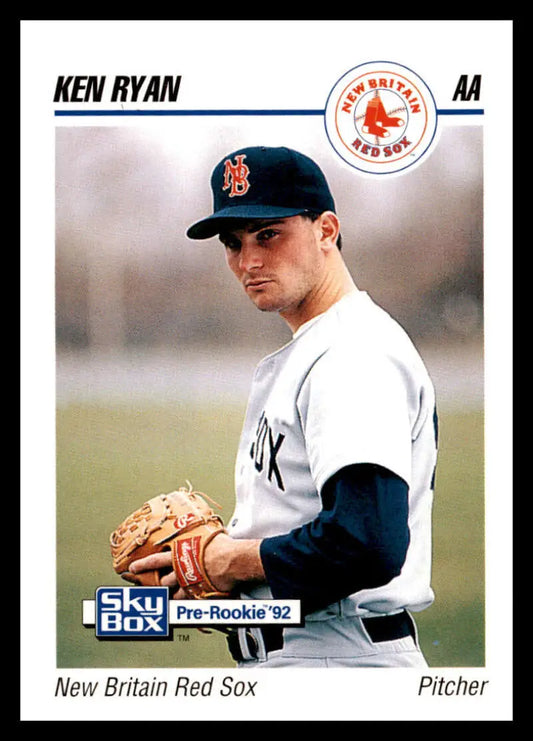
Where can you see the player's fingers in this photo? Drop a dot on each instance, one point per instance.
(152, 562)
(180, 594)
(169, 580)
(130, 578)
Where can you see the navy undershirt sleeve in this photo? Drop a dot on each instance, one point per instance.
(358, 541)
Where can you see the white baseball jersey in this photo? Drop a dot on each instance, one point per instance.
(348, 388)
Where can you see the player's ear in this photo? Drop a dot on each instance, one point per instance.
(329, 230)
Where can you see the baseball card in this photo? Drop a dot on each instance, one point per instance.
(266, 370)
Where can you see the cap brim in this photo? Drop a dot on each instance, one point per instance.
(215, 223)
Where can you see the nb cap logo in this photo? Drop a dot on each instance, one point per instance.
(236, 176)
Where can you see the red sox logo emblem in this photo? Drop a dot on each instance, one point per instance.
(377, 120)
(381, 118)
(236, 176)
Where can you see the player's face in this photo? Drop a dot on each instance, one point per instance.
(280, 264)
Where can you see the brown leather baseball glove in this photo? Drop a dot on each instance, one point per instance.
(183, 522)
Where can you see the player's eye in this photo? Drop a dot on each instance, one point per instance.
(265, 234)
(229, 242)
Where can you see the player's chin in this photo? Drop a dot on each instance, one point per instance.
(266, 301)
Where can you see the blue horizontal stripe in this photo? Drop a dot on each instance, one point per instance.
(236, 112)
(239, 112)
(460, 111)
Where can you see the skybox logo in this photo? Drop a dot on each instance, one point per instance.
(132, 612)
(381, 118)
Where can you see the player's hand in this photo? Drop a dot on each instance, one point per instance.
(230, 561)
(227, 562)
(159, 562)
(162, 562)
(217, 561)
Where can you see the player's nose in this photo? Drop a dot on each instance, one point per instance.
(250, 256)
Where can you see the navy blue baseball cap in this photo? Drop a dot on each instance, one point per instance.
(263, 183)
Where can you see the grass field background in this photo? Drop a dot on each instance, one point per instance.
(112, 457)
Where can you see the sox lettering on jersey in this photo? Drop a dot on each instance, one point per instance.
(265, 445)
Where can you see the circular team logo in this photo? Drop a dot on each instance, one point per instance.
(381, 118)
